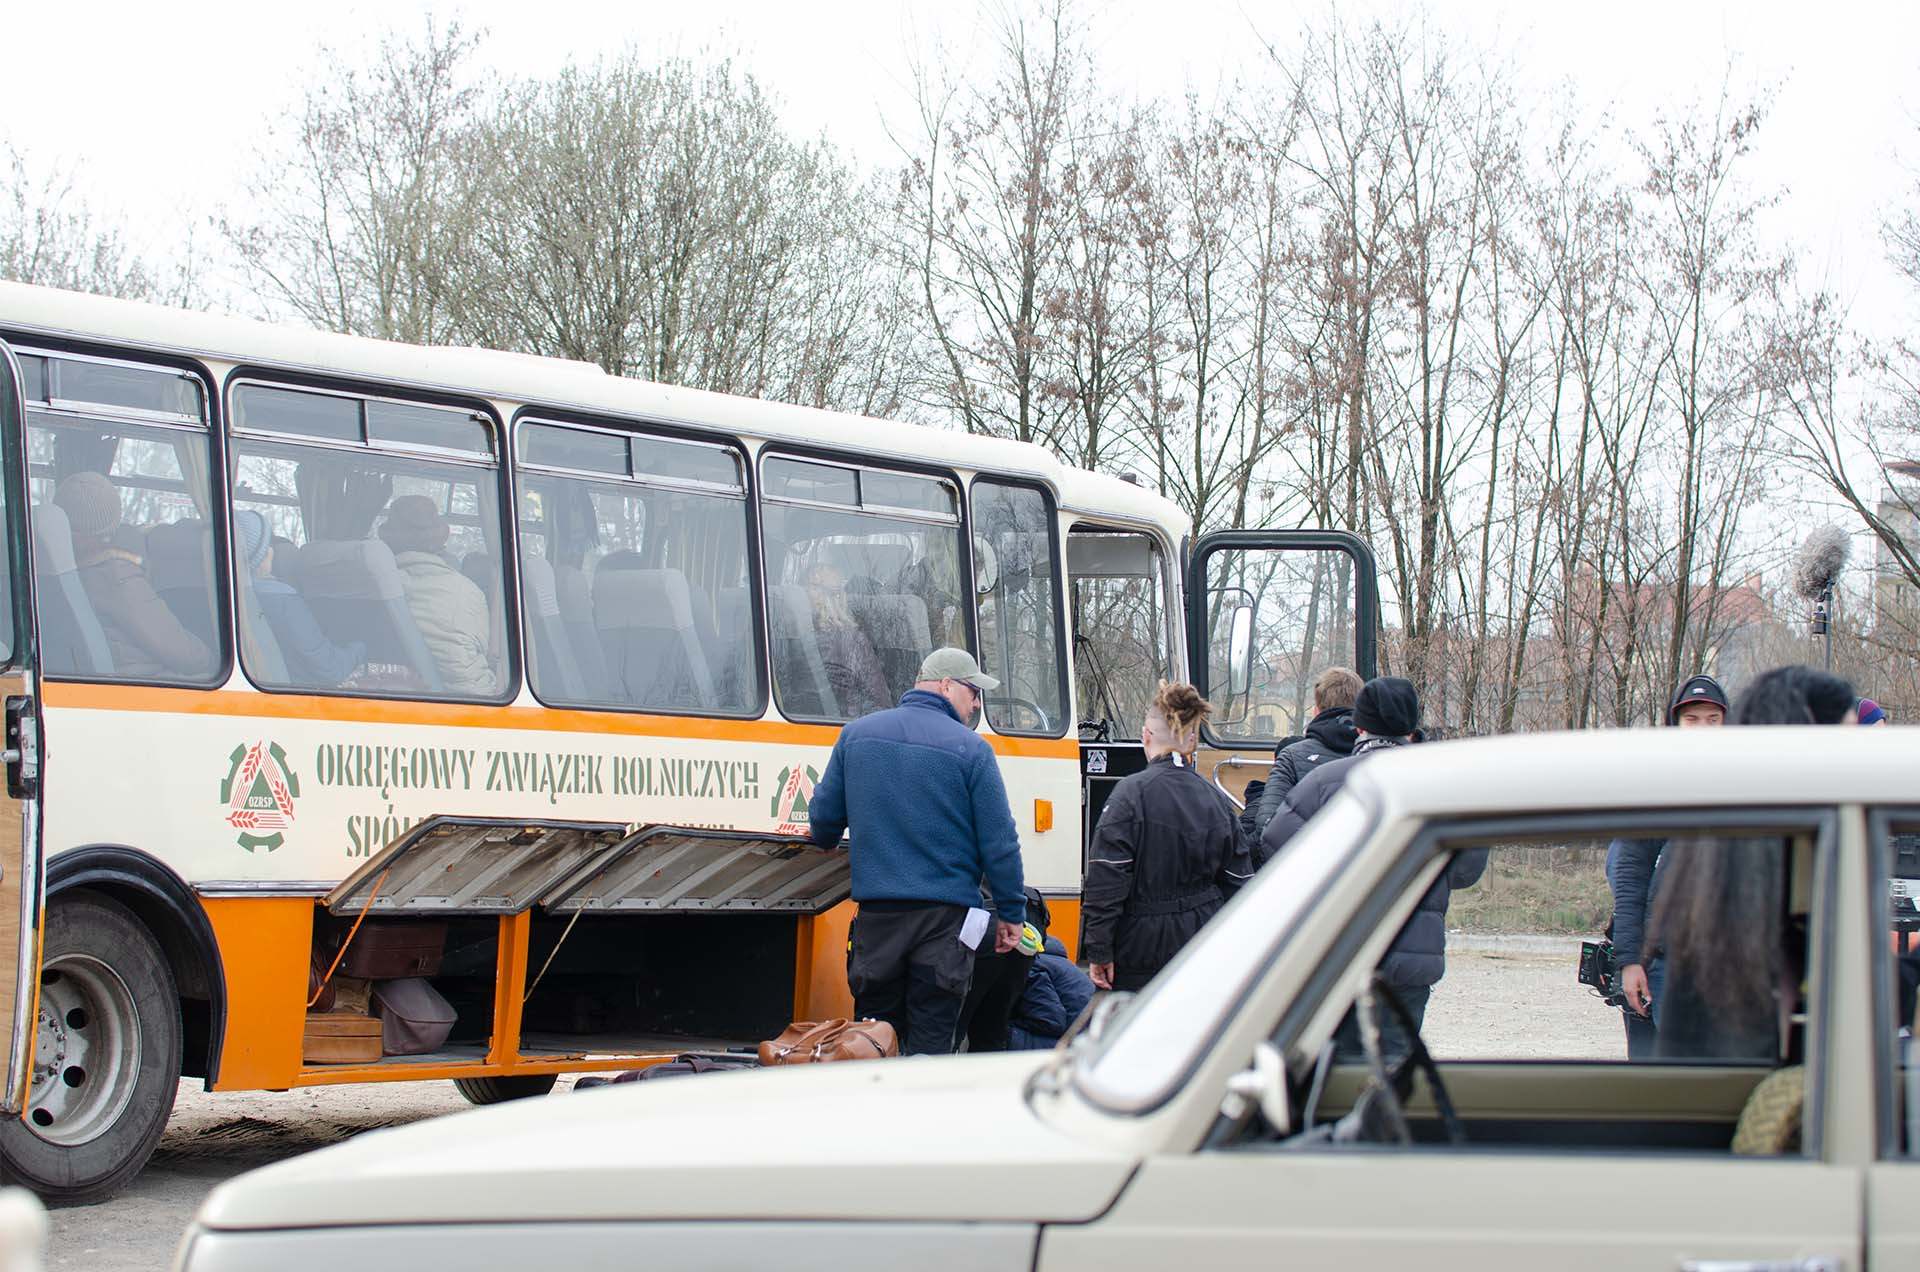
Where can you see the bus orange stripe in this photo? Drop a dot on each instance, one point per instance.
(279, 706)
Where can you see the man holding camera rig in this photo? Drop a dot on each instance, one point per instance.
(1633, 868)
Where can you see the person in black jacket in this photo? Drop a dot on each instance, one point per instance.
(1168, 850)
(1330, 736)
(1386, 714)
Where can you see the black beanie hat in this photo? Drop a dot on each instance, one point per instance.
(1702, 688)
(1388, 707)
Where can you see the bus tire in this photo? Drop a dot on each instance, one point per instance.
(500, 1090)
(106, 1054)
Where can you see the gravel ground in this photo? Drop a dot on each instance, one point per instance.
(1504, 996)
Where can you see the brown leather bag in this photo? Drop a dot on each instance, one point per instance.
(811, 1042)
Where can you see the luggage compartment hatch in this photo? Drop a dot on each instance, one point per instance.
(667, 869)
(474, 865)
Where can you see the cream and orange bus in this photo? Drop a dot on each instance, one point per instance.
(533, 667)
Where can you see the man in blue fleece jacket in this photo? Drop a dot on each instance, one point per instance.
(922, 793)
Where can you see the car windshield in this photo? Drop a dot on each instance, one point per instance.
(1156, 1040)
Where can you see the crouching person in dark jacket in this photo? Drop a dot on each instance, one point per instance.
(1056, 993)
(1167, 852)
(1386, 715)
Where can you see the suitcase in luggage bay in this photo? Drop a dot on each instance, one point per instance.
(340, 1037)
(414, 1018)
(388, 949)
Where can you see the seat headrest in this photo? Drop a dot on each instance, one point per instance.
(346, 570)
(642, 598)
(52, 539)
(179, 555)
(893, 622)
(791, 611)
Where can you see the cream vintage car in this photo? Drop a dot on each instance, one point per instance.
(1209, 1123)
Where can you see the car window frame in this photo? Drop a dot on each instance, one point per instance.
(1880, 819)
(1421, 849)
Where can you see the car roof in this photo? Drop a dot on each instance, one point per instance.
(1751, 767)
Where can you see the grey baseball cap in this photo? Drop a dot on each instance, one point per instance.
(955, 664)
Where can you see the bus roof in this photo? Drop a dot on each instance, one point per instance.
(529, 379)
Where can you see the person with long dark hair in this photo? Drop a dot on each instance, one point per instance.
(1735, 958)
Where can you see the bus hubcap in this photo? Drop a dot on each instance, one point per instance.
(86, 1051)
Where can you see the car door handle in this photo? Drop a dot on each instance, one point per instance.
(1813, 1263)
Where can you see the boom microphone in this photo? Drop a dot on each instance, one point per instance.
(1821, 559)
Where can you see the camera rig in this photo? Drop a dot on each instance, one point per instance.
(1597, 970)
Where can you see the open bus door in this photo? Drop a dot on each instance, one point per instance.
(20, 881)
(1267, 612)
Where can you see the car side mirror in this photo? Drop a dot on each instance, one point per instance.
(1240, 651)
(1264, 1083)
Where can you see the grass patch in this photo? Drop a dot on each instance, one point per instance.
(1558, 891)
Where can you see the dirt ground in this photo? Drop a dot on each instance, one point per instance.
(1504, 996)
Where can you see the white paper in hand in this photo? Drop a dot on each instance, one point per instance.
(973, 927)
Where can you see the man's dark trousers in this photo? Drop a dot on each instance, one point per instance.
(906, 966)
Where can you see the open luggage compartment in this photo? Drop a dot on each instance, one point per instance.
(605, 942)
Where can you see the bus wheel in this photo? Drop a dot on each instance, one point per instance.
(106, 1059)
(500, 1090)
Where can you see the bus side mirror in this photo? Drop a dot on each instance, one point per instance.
(1240, 651)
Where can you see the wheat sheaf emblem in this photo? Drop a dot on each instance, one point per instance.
(259, 791)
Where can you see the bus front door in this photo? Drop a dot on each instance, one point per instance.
(1267, 612)
(20, 882)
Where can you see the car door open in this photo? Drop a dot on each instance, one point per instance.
(1267, 612)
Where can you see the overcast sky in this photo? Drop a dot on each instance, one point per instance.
(160, 106)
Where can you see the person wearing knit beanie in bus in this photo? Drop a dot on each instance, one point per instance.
(312, 659)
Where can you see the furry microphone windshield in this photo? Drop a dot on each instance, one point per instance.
(1821, 559)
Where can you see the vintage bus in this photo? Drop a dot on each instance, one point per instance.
(309, 635)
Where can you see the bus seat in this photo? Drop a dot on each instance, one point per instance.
(571, 590)
(896, 626)
(480, 570)
(353, 588)
(259, 647)
(733, 661)
(798, 668)
(179, 560)
(555, 671)
(72, 642)
(646, 626)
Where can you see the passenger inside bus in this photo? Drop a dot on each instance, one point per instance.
(852, 667)
(449, 610)
(145, 639)
(307, 654)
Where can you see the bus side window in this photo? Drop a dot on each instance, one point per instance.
(1119, 630)
(634, 569)
(1014, 584)
(123, 541)
(367, 542)
(863, 573)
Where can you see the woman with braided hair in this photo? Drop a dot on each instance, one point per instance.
(1168, 851)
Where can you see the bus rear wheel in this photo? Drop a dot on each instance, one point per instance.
(500, 1090)
(106, 1059)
